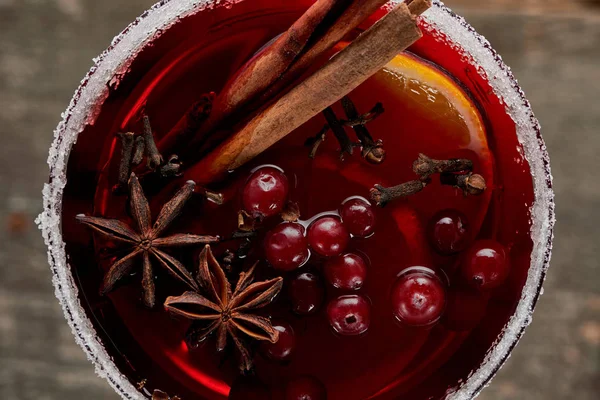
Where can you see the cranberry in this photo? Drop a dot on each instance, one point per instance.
(285, 345)
(347, 272)
(306, 293)
(265, 192)
(305, 388)
(464, 309)
(327, 236)
(418, 297)
(349, 315)
(286, 247)
(358, 216)
(449, 232)
(485, 265)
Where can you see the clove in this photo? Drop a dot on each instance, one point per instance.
(346, 146)
(382, 195)
(452, 172)
(425, 166)
(171, 168)
(316, 141)
(471, 184)
(127, 141)
(372, 150)
(154, 158)
(139, 150)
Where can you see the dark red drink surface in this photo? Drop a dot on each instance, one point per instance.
(390, 359)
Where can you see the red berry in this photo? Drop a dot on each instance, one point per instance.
(265, 192)
(418, 297)
(347, 272)
(349, 315)
(358, 216)
(449, 232)
(327, 236)
(286, 247)
(305, 388)
(285, 345)
(485, 265)
(306, 293)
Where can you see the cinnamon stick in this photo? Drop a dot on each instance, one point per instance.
(418, 7)
(343, 73)
(264, 69)
(352, 17)
(279, 65)
(259, 73)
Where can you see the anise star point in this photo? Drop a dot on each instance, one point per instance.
(225, 312)
(146, 240)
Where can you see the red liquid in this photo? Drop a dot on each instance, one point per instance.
(390, 360)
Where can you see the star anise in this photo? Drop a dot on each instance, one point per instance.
(227, 312)
(146, 241)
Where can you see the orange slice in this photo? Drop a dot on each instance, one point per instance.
(434, 91)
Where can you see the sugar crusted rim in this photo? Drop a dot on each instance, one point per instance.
(115, 60)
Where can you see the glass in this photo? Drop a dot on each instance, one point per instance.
(157, 58)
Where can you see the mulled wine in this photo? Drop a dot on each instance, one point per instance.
(377, 251)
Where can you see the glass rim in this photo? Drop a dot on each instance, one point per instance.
(116, 59)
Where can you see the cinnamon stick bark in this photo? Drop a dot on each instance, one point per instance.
(418, 7)
(343, 73)
(264, 69)
(324, 24)
(352, 17)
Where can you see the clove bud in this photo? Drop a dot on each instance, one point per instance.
(127, 142)
(372, 150)
(425, 166)
(171, 168)
(153, 156)
(471, 184)
(382, 195)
